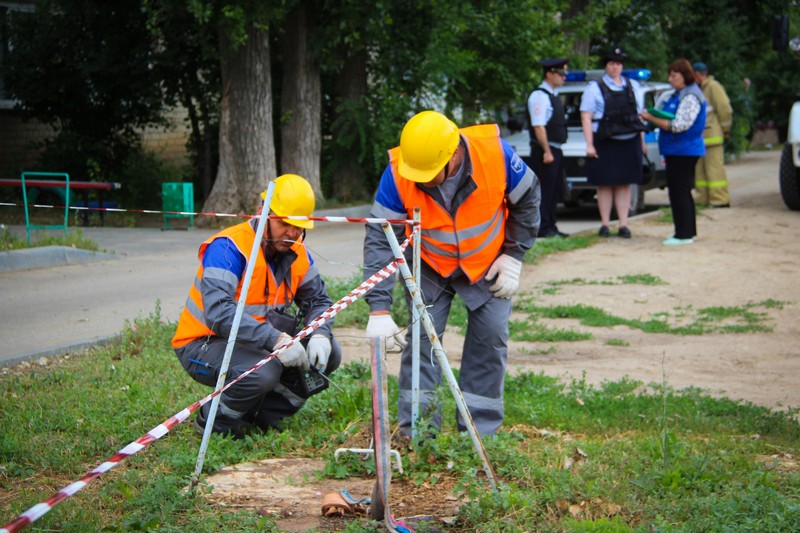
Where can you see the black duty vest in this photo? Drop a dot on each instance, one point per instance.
(556, 127)
(621, 115)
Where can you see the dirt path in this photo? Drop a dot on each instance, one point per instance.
(749, 253)
(746, 254)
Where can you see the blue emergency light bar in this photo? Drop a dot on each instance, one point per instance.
(638, 74)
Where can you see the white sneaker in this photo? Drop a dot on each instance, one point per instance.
(674, 241)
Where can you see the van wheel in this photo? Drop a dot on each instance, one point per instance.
(637, 199)
(790, 180)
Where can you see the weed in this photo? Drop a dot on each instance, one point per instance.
(532, 332)
(639, 279)
(617, 342)
(543, 247)
(538, 351)
(74, 239)
(738, 319)
(357, 313)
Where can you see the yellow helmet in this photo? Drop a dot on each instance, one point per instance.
(427, 143)
(293, 197)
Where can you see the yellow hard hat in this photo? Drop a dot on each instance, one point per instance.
(427, 143)
(293, 197)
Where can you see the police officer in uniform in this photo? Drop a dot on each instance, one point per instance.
(547, 124)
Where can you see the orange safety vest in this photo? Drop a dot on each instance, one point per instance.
(473, 239)
(261, 295)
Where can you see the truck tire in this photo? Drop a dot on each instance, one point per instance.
(637, 199)
(790, 180)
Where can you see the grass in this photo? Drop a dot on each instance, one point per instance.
(74, 239)
(747, 318)
(665, 214)
(543, 247)
(622, 456)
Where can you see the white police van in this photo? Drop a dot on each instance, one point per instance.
(576, 187)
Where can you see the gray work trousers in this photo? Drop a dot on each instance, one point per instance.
(483, 366)
(265, 397)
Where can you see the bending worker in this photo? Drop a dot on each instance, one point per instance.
(284, 274)
(480, 214)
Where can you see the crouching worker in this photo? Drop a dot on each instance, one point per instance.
(284, 274)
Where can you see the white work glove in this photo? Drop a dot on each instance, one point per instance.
(507, 270)
(319, 349)
(294, 355)
(384, 326)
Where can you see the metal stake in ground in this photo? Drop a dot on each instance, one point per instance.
(379, 506)
(427, 323)
(415, 330)
(380, 430)
(237, 318)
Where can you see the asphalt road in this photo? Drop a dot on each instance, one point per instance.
(52, 310)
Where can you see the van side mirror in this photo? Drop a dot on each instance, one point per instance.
(780, 32)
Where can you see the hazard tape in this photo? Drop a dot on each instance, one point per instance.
(40, 509)
(230, 215)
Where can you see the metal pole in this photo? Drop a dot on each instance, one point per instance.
(380, 429)
(413, 290)
(415, 330)
(237, 318)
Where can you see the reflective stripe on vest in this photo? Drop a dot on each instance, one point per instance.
(260, 296)
(473, 240)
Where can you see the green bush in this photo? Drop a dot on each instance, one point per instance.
(142, 175)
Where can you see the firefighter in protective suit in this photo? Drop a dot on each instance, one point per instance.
(711, 180)
(284, 274)
(480, 214)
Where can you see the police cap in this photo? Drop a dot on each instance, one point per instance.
(554, 64)
(616, 54)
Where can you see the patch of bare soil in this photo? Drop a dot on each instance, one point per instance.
(746, 254)
(291, 492)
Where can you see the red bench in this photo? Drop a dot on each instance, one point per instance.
(60, 187)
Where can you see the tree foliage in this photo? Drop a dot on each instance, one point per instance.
(733, 38)
(378, 62)
(188, 69)
(85, 67)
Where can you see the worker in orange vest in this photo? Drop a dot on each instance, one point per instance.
(284, 274)
(480, 214)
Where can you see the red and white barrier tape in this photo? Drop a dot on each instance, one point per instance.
(40, 509)
(238, 215)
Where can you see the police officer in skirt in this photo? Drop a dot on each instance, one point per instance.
(614, 140)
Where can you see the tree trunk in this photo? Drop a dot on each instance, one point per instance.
(301, 100)
(576, 7)
(246, 143)
(349, 180)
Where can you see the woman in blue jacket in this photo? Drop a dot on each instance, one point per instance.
(681, 144)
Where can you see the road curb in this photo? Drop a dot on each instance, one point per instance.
(48, 256)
